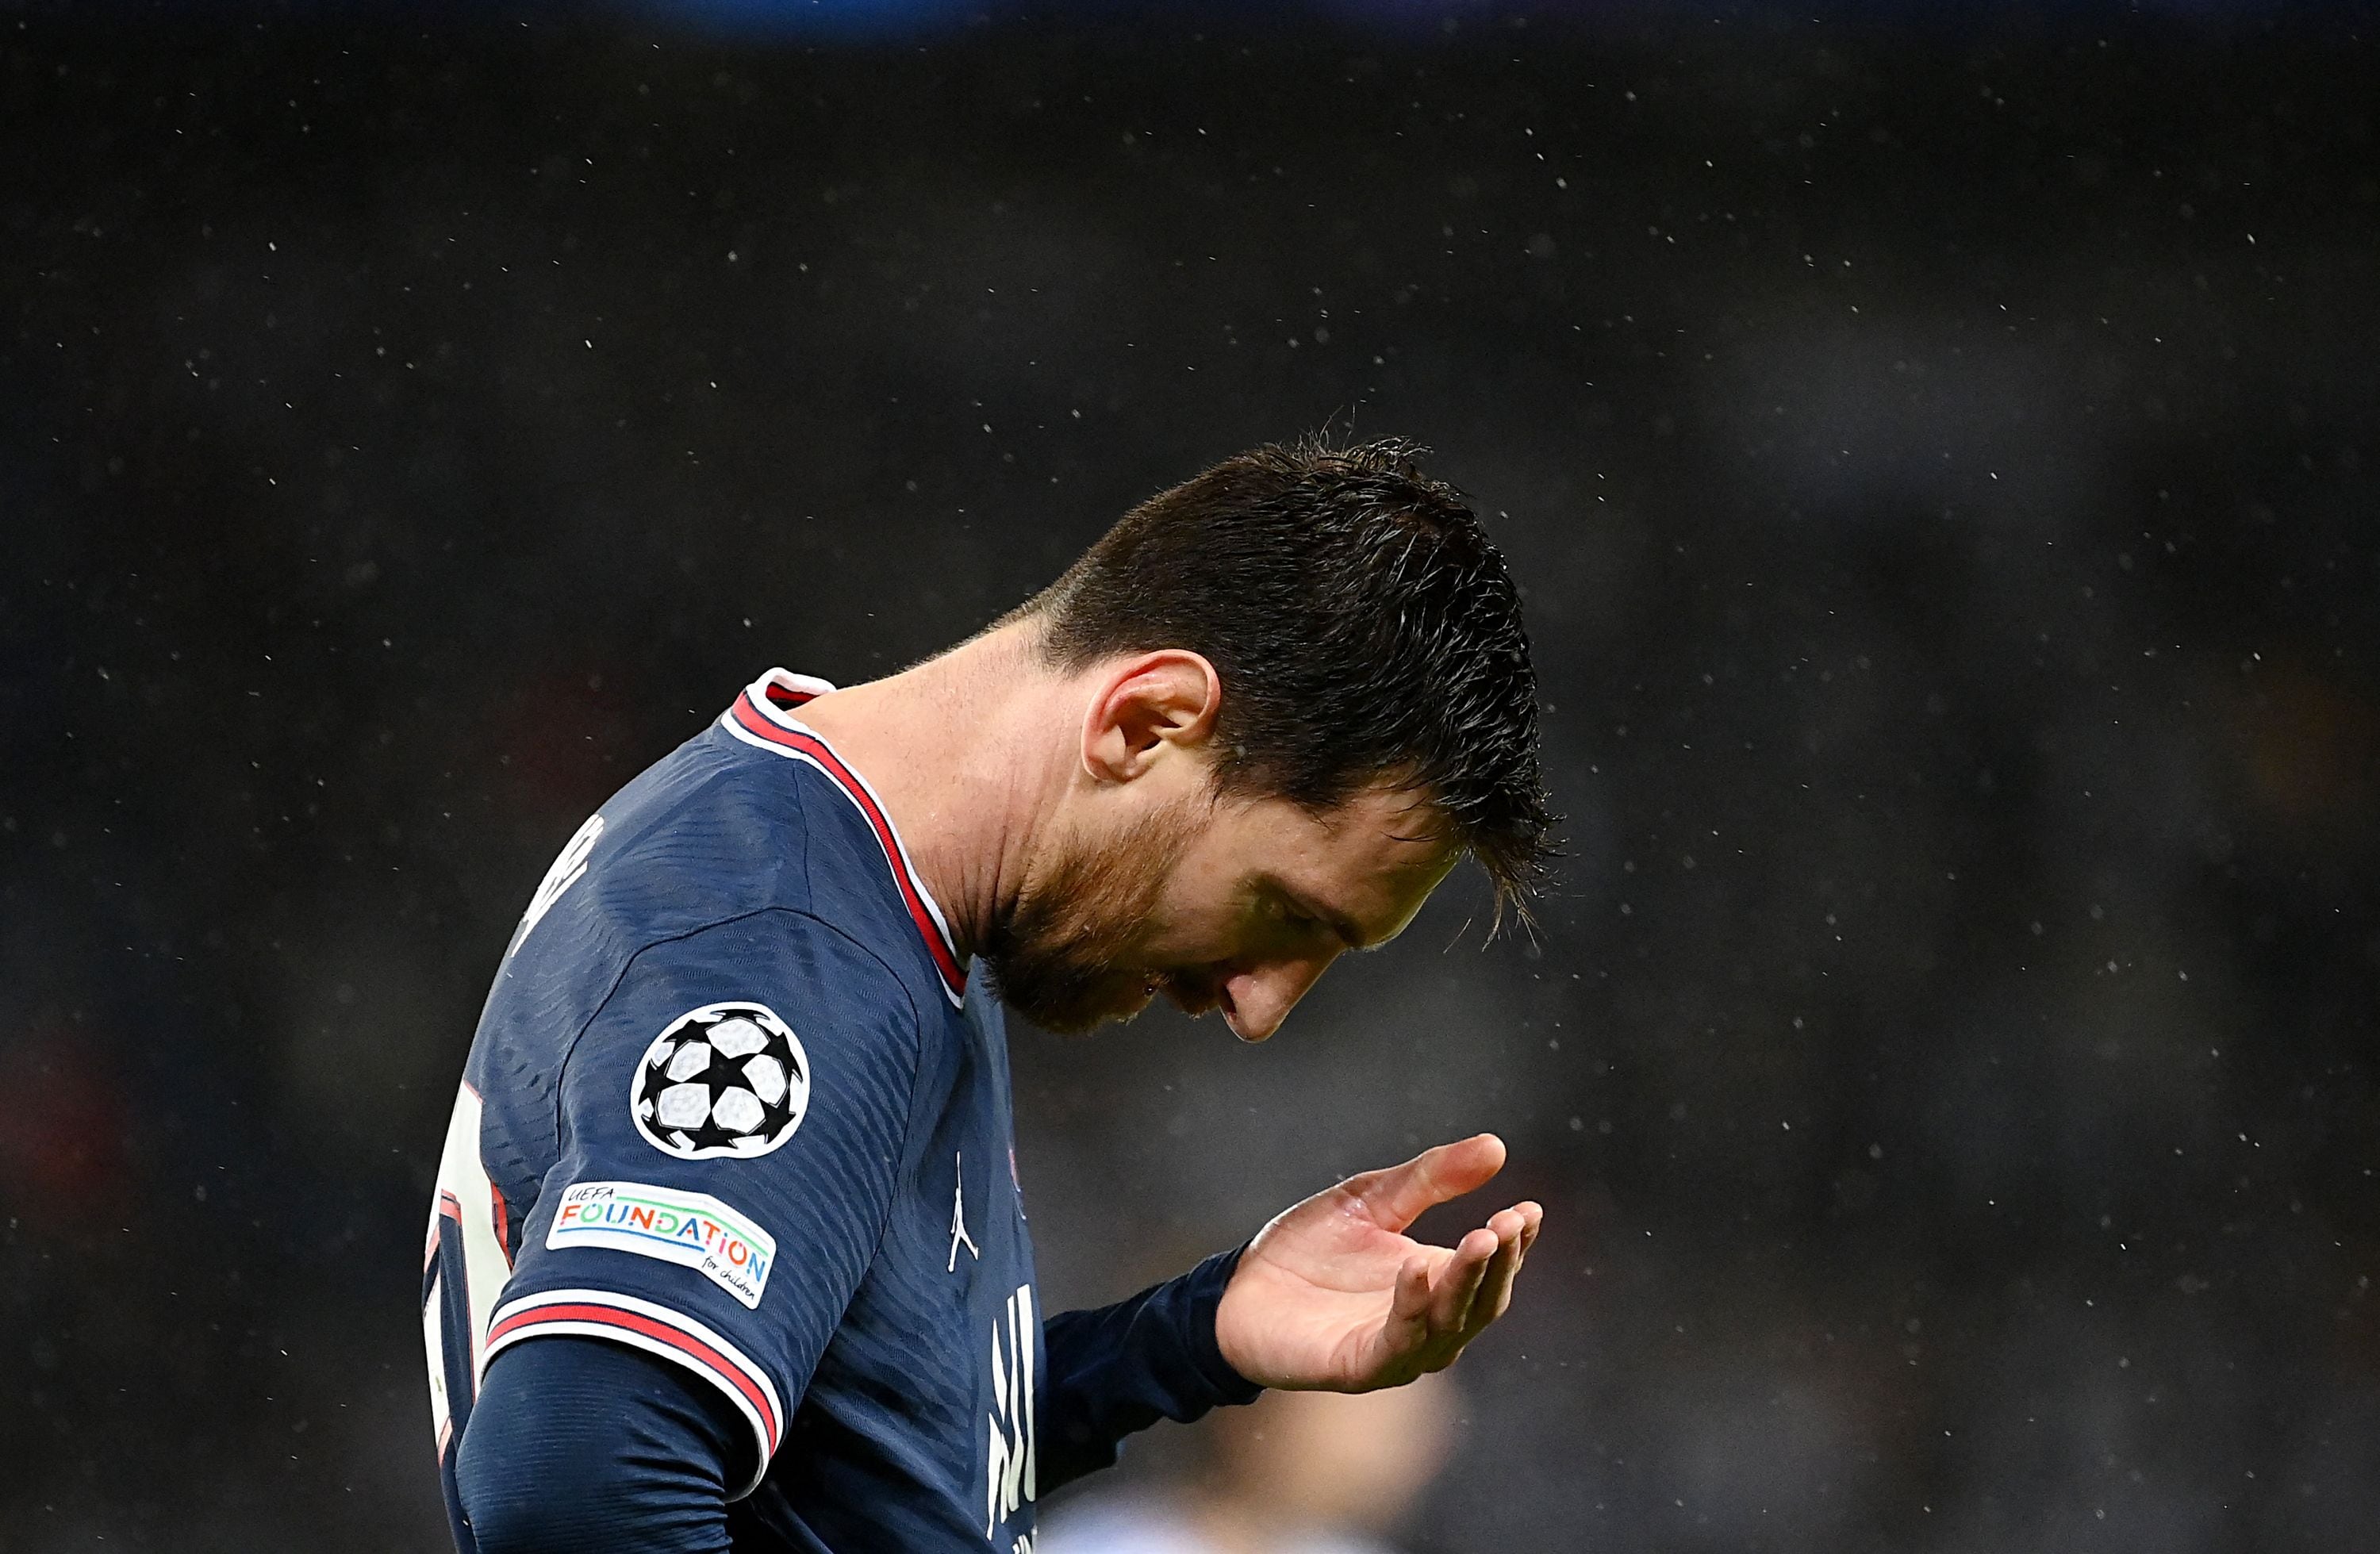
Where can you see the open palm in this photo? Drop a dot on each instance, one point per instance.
(1334, 1296)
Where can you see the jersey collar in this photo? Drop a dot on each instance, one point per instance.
(763, 716)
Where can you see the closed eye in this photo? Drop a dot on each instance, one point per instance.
(1297, 915)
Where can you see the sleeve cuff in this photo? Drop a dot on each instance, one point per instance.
(1202, 1291)
(656, 1330)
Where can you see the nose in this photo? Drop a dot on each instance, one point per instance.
(1255, 1000)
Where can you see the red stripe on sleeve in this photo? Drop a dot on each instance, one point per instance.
(685, 1343)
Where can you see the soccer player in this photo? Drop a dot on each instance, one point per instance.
(727, 1250)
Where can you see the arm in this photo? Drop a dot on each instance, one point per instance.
(577, 1444)
(1122, 1368)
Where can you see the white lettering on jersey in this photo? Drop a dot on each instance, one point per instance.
(466, 1205)
(561, 877)
(433, 1335)
(1009, 1463)
(959, 1236)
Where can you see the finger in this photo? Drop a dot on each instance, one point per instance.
(1495, 1296)
(1458, 1282)
(1409, 1304)
(1397, 1197)
(1536, 1214)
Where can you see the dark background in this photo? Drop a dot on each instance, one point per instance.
(1937, 451)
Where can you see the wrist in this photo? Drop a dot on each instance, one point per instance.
(1207, 1287)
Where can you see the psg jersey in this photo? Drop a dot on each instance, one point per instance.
(731, 1102)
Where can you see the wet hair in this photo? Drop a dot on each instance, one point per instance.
(1362, 627)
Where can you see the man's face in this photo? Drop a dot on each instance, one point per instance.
(1219, 903)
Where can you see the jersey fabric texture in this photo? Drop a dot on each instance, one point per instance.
(732, 1103)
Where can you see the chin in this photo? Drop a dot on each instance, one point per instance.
(1128, 1004)
(1084, 1015)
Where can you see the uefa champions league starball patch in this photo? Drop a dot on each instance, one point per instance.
(725, 1080)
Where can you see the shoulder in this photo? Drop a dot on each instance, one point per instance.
(725, 1038)
(832, 977)
(697, 838)
(711, 830)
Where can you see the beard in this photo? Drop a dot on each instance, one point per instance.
(1062, 956)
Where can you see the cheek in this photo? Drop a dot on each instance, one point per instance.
(1202, 913)
(1187, 925)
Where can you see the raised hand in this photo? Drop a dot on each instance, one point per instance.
(1334, 1296)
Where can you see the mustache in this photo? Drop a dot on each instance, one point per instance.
(1191, 992)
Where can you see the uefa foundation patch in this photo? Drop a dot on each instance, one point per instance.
(694, 1229)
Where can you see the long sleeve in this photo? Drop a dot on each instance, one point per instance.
(579, 1443)
(657, 1228)
(1122, 1368)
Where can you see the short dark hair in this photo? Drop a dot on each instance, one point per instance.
(1361, 623)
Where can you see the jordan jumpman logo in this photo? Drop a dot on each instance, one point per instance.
(958, 1216)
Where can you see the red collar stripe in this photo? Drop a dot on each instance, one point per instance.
(786, 697)
(805, 746)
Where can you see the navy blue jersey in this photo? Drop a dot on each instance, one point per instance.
(732, 1103)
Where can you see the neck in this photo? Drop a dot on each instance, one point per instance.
(956, 750)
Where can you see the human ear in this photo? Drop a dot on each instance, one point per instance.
(1143, 706)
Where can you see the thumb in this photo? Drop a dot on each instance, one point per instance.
(1397, 1197)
